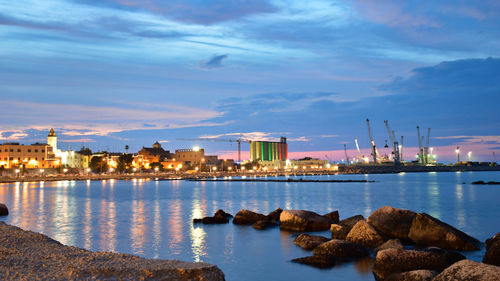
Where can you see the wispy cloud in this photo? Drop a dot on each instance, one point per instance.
(12, 135)
(214, 62)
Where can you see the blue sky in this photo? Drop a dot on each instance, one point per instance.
(114, 72)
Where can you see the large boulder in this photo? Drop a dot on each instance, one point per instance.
(340, 230)
(301, 220)
(275, 215)
(393, 261)
(317, 261)
(469, 270)
(492, 255)
(309, 242)
(341, 249)
(211, 220)
(333, 216)
(427, 230)
(392, 222)
(390, 244)
(4, 211)
(248, 217)
(364, 234)
(414, 275)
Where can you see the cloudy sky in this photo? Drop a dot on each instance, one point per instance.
(111, 73)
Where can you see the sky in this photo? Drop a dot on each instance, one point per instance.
(110, 73)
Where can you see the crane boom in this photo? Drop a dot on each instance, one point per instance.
(372, 142)
(357, 145)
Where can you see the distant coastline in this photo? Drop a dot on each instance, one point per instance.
(347, 170)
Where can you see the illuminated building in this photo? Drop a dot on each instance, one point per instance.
(38, 155)
(154, 154)
(269, 151)
(69, 159)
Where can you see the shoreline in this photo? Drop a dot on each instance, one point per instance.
(223, 176)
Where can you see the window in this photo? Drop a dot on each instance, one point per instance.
(43, 150)
(11, 150)
(11, 158)
(29, 150)
(18, 150)
(43, 158)
(36, 150)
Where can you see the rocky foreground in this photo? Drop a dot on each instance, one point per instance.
(404, 245)
(26, 255)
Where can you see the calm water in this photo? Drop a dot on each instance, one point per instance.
(153, 218)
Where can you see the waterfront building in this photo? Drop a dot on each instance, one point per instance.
(70, 159)
(38, 155)
(269, 151)
(154, 154)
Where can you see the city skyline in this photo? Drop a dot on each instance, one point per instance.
(111, 73)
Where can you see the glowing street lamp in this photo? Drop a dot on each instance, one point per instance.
(157, 169)
(469, 155)
(458, 154)
(65, 170)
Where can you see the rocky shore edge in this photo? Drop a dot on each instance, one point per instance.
(27, 255)
(399, 244)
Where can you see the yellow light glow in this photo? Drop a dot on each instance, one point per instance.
(196, 148)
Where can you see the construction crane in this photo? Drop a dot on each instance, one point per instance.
(372, 142)
(394, 143)
(426, 148)
(345, 151)
(223, 140)
(420, 150)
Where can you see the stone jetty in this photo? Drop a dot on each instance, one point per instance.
(26, 255)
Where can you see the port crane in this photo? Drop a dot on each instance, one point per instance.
(372, 142)
(223, 140)
(420, 150)
(346, 157)
(427, 156)
(394, 142)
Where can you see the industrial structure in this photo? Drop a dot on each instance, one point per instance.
(269, 151)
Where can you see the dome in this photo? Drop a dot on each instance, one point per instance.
(156, 145)
(52, 133)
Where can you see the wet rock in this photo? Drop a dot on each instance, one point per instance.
(28, 255)
(301, 220)
(4, 211)
(317, 261)
(492, 255)
(263, 224)
(211, 220)
(248, 217)
(333, 216)
(427, 230)
(275, 215)
(364, 234)
(309, 242)
(415, 275)
(390, 244)
(392, 222)
(469, 270)
(221, 214)
(340, 230)
(393, 261)
(341, 249)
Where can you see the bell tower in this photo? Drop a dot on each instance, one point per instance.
(52, 139)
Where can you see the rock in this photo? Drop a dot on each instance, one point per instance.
(340, 230)
(309, 242)
(317, 261)
(469, 270)
(392, 261)
(492, 240)
(341, 249)
(492, 255)
(248, 217)
(392, 222)
(427, 230)
(263, 224)
(221, 214)
(301, 220)
(27, 255)
(211, 220)
(390, 244)
(364, 234)
(333, 216)
(4, 211)
(414, 275)
(275, 215)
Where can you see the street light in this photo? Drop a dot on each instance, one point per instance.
(65, 170)
(458, 154)
(469, 155)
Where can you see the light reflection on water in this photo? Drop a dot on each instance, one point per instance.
(153, 218)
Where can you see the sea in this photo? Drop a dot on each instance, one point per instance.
(153, 218)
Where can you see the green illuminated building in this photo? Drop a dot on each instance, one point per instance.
(269, 151)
